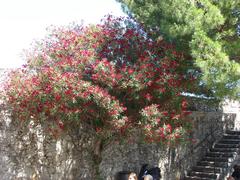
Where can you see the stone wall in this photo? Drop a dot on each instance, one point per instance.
(174, 161)
(230, 106)
(28, 153)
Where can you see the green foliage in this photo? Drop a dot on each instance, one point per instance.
(205, 30)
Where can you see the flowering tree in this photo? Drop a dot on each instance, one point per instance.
(110, 77)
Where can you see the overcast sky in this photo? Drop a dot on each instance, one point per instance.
(23, 21)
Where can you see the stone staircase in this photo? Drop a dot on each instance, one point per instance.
(217, 161)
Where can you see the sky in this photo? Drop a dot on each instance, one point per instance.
(23, 21)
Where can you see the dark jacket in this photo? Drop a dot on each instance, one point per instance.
(236, 174)
(154, 172)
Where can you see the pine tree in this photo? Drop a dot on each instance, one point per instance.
(205, 30)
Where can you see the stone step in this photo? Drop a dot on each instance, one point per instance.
(233, 150)
(213, 164)
(220, 154)
(227, 136)
(203, 174)
(229, 141)
(231, 132)
(197, 178)
(218, 145)
(217, 159)
(207, 169)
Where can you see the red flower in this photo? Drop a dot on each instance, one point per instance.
(60, 125)
(184, 104)
(57, 97)
(130, 71)
(148, 96)
(68, 92)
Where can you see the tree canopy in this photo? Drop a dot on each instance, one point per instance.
(205, 30)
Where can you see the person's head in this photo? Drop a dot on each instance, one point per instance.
(148, 177)
(132, 176)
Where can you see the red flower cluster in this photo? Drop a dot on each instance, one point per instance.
(111, 76)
